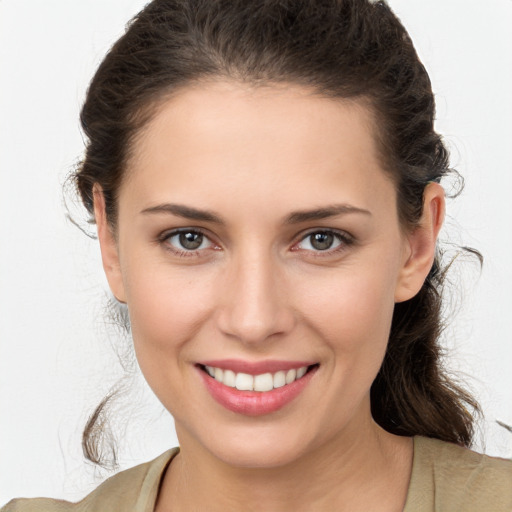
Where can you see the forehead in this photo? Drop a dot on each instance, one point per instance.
(284, 143)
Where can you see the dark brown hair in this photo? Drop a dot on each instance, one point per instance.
(354, 49)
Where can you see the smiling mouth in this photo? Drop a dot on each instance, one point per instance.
(263, 382)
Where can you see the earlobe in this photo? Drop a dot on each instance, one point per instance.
(108, 246)
(422, 244)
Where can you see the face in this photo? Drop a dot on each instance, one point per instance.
(258, 239)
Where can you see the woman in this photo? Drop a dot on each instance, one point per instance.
(264, 177)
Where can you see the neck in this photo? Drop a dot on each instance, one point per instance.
(367, 469)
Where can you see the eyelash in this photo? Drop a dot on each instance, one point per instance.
(164, 238)
(345, 239)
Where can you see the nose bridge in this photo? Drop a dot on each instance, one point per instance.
(254, 305)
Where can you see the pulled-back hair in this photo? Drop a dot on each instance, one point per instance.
(355, 49)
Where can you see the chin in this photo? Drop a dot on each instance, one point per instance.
(264, 446)
(258, 455)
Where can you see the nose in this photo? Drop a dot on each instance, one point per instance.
(254, 302)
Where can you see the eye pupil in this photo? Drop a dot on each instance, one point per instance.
(190, 240)
(322, 241)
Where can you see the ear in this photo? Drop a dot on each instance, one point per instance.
(108, 245)
(421, 244)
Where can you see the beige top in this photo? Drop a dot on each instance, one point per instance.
(445, 478)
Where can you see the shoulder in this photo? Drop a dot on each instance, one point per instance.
(132, 488)
(449, 477)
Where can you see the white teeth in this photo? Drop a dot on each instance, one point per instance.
(291, 375)
(263, 382)
(279, 379)
(229, 378)
(244, 382)
(219, 374)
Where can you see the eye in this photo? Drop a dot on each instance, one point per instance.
(187, 240)
(323, 241)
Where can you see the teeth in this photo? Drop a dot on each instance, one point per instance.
(243, 382)
(291, 375)
(218, 374)
(229, 378)
(301, 372)
(262, 382)
(279, 379)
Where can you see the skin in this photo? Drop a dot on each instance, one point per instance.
(257, 289)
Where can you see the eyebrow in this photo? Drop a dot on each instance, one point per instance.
(324, 213)
(188, 212)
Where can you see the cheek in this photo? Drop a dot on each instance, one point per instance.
(352, 314)
(167, 308)
(354, 305)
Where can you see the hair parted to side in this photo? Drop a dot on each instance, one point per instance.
(355, 49)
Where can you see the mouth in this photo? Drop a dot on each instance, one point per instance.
(261, 382)
(253, 392)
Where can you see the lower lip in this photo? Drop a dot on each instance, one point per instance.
(255, 403)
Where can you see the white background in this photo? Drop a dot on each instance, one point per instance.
(56, 356)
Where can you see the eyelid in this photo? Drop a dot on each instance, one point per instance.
(344, 237)
(167, 234)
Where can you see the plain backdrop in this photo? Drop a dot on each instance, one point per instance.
(56, 344)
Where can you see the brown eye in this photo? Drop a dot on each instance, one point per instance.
(187, 240)
(321, 241)
(191, 240)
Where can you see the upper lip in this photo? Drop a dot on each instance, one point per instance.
(255, 367)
